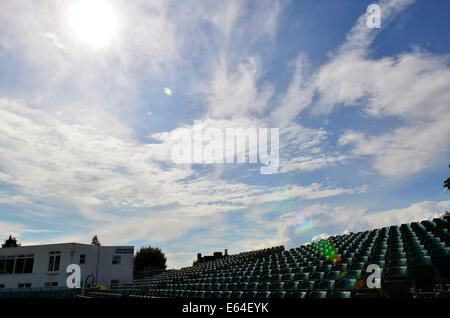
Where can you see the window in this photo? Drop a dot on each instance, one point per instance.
(24, 264)
(2, 286)
(53, 262)
(20, 263)
(114, 283)
(51, 284)
(116, 259)
(24, 285)
(82, 258)
(5, 264)
(29, 262)
(2, 264)
(9, 265)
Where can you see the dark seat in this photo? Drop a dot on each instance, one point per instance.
(346, 284)
(249, 295)
(296, 294)
(357, 266)
(236, 294)
(334, 275)
(217, 294)
(263, 286)
(291, 285)
(278, 294)
(306, 285)
(422, 274)
(443, 295)
(326, 285)
(340, 294)
(316, 294)
(397, 283)
(287, 277)
(317, 276)
(441, 259)
(276, 286)
(354, 274)
(263, 294)
(301, 276)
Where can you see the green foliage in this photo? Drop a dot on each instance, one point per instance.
(149, 257)
(95, 241)
(10, 242)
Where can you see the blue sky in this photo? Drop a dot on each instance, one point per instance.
(86, 126)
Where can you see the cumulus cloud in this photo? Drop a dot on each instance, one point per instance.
(233, 94)
(48, 160)
(413, 87)
(325, 218)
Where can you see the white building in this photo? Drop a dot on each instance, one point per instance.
(45, 265)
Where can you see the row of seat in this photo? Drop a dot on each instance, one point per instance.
(415, 255)
(249, 294)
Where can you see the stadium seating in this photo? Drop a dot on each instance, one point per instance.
(43, 293)
(414, 260)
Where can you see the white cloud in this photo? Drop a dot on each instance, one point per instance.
(405, 151)
(232, 94)
(298, 96)
(412, 87)
(293, 229)
(84, 167)
(10, 228)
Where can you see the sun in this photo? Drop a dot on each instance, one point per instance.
(93, 22)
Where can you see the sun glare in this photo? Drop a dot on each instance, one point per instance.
(93, 22)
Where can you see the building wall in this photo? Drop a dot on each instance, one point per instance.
(98, 261)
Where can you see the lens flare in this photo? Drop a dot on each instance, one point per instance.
(328, 249)
(302, 228)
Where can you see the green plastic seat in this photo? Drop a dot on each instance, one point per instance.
(276, 286)
(237, 294)
(316, 294)
(306, 285)
(296, 294)
(340, 294)
(443, 295)
(292, 285)
(301, 276)
(346, 284)
(263, 294)
(278, 294)
(326, 285)
(249, 295)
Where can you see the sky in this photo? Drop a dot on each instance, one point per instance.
(93, 93)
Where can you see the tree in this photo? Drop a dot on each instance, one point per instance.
(11, 242)
(148, 256)
(95, 241)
